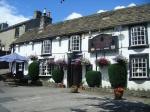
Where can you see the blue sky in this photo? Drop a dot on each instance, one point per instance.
(24, 9)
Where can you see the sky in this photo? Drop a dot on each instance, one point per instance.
(15, 11)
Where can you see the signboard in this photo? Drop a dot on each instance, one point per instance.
(103, 42)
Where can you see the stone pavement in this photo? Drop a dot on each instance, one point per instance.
(44, 99)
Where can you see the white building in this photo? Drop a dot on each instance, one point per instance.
(124, 31)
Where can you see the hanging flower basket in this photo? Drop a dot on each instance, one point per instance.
(61, 63)
(85, 61)
(102, 62)
(33, 57)
(51, 62)
(77, 62)
(118, 93)
(120, 59)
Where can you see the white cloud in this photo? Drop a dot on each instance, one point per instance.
(119, 7)
(131, 5)
(100, 11)
(9, 14)
(73, 16)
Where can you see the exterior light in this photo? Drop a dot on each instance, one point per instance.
(57, 38)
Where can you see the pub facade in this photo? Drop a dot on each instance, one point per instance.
(123, 32)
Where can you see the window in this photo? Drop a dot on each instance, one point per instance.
(45, 68)
(138, 36)
(17, 32)
(20, 67)
(46, 47)
(139, 66)
(75, 43)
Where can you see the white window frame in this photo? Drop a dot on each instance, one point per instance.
(75, 43)
(138, 36)
(139, 67)
(46, 47)
(45, 68)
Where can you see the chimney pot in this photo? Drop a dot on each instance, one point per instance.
(37, 14)
(44, 12)
(49, 14)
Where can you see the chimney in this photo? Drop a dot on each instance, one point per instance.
(3, 26)
(45, 20)
(37, 14)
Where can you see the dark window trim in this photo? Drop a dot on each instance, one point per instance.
(138, 46)
(139, 55)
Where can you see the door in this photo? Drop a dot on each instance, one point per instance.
(19, 70)
(74, 73)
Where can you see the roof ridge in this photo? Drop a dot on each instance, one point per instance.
(97, 14)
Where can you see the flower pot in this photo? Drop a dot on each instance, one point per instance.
(74, 89)
(118, 93)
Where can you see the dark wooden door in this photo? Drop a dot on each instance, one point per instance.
(19, 70)
(74, 75)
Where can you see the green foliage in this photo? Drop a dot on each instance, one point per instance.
(33, 70)
(117, 75)
(93, 78)
(58, 75)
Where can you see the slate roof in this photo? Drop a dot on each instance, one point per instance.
(109, 19)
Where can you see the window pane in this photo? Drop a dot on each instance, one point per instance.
(75, 45)
(139, 67)
(46, 47)
(138, 36)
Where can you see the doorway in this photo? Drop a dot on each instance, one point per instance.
(19, 70)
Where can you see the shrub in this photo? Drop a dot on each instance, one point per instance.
(117, 75)
(93, 78)
(34, 70)
(57, 75)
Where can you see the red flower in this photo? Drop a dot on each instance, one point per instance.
(103, 62)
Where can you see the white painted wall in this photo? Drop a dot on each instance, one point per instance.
(60, 52)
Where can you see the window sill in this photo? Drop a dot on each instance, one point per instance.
(139, 79)
(138, 47)
(46, 54)
(75, 50)
(45, 76)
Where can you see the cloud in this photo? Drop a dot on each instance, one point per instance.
(10, 14)
(100, 11)
(131, 5)
(119, 7)
(73, 16)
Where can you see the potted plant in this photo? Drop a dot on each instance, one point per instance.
(74, 89)
(101, 62)
(57, 75)
(118, 79)
(33, 71)
(118, 92)
(93, 78)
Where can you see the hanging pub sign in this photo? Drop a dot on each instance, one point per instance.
(103, 42)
